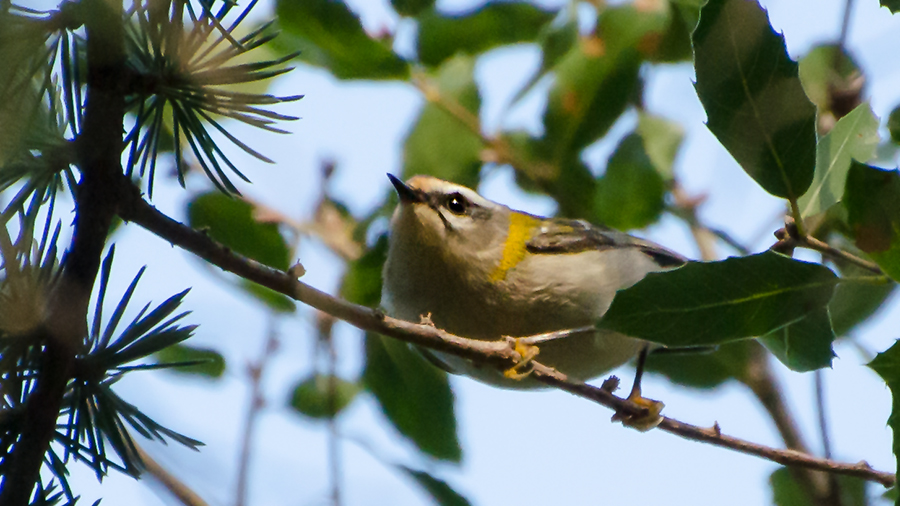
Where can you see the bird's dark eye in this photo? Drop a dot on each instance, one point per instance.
(457, 204)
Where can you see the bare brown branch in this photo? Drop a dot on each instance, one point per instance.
(497, 353)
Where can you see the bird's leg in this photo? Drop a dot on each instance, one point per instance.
(652, 418)
(527, 352)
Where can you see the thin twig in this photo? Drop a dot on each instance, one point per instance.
(326, 342)
(845, 31)
(498, 353)
(790, 237)
(760, 379)
(176, 487)
(257, 402)
(502, 151)
(757, 376)
(834, 488)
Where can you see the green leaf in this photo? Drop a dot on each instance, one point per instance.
(322, 396)
(887, 365)
(754, 102)
(329, 35)
(893, 125)
(854, 303)
(893, 5)
(804, 345)
(411, 7)
(787, 492)
(662, 139)
(210, 362)
(853, 136)
(442, 493)
(414, 395)
(872, 198)
(674, 45)
(362, 283)
(716, 302)
(441, 144)
(491, 25)
(631, 192)
(703, 370)
(231, 222)
(597, 79)
(555, 41)
(569, 181)
(819, 75)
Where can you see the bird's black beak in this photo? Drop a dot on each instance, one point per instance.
(406, 194)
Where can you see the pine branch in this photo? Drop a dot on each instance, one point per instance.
(497, 353)
(96, 196)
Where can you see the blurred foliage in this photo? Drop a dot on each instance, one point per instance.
(703, 369)
(786, 491)
(444, 142)
(192, 360)
(438, 489)
(414, 395)
(493, 24)
(322, 396)
(327, 34)
(872, 198)
(894, 125)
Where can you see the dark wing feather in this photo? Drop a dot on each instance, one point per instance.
(575, 236)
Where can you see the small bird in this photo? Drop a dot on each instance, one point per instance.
(481, 270)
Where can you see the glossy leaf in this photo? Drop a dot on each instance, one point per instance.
(206, 362)
(872, 199)
(754, 102)
(329, 35)
(855, 136)
(716, 302)
(231, 222)
(787, 492)
(442, 493)
(893, 5)
(704, 369)
(321, 396)
(441, 144)
(887, 365)
(805, 345)
(496, 23)
(631, 192)
(414, 395)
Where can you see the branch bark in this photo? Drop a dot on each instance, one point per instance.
(497, 353)
(66, 324)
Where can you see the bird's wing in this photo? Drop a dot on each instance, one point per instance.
(575, 236)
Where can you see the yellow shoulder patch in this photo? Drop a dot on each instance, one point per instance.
(520, 227)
